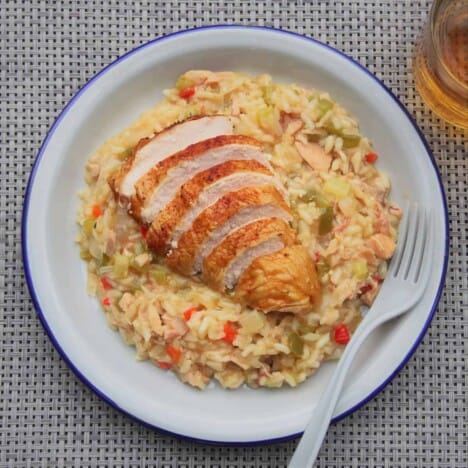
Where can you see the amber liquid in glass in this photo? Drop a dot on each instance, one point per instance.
(441, 62)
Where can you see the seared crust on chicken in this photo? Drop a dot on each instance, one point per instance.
(181, 257)
(116, 178)
(149, 151)
(150, 182)
(163, 225)
(216, 264)
(285, 280)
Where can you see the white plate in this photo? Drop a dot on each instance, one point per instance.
(56, 275)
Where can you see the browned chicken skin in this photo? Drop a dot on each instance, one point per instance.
(182, 258)
(162, 145)
(216, 210)
(165, 222)
(146, 186)
(218, 261)
(282, 280)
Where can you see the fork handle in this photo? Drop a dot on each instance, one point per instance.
(315, 431)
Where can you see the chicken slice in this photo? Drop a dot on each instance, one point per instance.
(160, 185)
(150, 151)
(224, 186)
(285, 280)
(230, 258)
(165, 222)
(182, 257)
(238, 221)
(245, 259)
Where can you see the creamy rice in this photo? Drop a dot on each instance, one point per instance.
(184, 326)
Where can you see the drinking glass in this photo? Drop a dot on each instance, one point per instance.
(441, 61)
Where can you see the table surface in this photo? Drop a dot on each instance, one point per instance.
(48, 416)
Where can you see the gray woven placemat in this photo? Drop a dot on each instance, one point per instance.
(48, 416)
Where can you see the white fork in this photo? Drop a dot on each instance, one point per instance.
(406, 280)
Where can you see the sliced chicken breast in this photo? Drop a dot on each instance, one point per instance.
(163, 225)
(245, 259)
(150, 151)
(285, 280)
(235, 253)
(224, 186)
(160, 185)
(215, 208)
(182, 257)
(238, 221)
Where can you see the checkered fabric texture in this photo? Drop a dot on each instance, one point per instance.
(49, 418)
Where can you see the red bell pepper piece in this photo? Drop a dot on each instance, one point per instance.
(341, 334)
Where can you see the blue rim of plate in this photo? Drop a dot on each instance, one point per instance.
(35, 167)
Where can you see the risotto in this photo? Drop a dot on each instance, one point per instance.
(342, 216)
